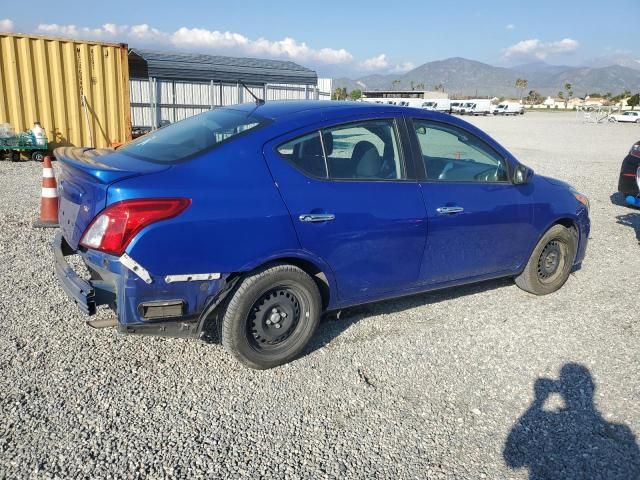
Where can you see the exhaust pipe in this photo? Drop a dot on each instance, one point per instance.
(103, 323)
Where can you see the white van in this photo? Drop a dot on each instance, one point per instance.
(476, 106)
(438, 105)
(467, 107)
(456, 105)
(509, 108)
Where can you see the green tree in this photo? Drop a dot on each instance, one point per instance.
(534, 97)
(355, 94)
(340, 93)
(634, 101)
(521, 83)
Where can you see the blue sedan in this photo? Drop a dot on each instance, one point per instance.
(258, 218)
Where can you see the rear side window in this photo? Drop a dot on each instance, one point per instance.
(189, 137)
(361, 151)
(306, 154)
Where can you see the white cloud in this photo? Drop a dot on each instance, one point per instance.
(202, 38)
(106, 31)
(510, 26)
(226, 43)
(378, 62)
(403, 67)
(6, 25)
(540, 50)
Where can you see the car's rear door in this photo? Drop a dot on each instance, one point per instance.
(353, 203)
(479, 222)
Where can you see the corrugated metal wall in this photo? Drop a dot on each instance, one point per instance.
(171, 101)
(45, 79)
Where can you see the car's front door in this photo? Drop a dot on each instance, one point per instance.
(479, 222)
(352, 205)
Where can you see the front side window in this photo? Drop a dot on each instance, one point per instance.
(361, 151)
(191, 136)
(453, 154)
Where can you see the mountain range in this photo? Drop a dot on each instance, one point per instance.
(461, 76)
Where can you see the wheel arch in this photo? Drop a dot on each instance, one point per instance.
(567, 221)
(315, 267)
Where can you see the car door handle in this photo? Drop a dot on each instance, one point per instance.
(317, 217)
(449, 210)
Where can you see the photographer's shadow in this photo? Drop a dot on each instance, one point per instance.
(572, 441)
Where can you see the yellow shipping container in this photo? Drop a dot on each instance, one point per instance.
(78, 90)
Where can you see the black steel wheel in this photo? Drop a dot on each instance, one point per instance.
(271, 316)
(37, 156)
(274, 317)
(550, 263)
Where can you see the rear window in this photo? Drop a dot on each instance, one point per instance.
(194, 135)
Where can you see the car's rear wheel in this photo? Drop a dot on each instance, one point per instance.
(550, 263)
(271, 316)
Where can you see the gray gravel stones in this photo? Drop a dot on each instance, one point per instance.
(428, 386)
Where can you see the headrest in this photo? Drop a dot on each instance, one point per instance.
(369, 161)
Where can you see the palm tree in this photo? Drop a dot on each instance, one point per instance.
(521, 83)
(569, 88)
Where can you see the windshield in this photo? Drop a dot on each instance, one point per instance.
(430, 104)
(189, 137)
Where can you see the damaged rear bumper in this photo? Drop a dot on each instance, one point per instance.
(79, 290)
(168, 305)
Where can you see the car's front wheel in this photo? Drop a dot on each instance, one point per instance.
(550, 263)
(271, 316)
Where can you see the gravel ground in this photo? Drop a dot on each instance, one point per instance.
(437, 385)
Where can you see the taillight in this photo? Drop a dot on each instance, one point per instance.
(635, 150)
(112, 230)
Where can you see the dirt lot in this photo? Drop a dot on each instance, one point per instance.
(437, 385)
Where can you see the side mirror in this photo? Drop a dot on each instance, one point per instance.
(522, 174)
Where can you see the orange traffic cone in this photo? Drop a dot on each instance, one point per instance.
(49, 199)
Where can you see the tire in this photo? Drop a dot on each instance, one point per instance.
(37, 156)
(15, 156)
(550, 263)
(249, 331)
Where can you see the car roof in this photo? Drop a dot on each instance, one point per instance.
(276, 110)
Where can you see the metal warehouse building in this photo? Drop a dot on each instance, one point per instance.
(168, 86)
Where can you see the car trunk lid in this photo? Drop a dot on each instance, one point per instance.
(84, 178)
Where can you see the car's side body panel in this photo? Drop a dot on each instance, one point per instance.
(386, 240)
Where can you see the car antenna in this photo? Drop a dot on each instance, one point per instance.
(259, 101)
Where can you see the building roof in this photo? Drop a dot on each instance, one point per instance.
(189, 66)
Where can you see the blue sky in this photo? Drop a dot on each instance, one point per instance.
(354, 38)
